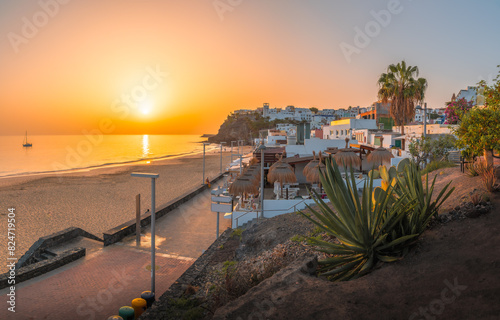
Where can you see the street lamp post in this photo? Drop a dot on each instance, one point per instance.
(232, 150)
(262, 147)
(204, 144)
(221, 156)
(153, 177)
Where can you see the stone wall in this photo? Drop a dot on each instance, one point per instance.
(54, 239)
(36, 269)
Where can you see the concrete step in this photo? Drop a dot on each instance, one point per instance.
(78, 242)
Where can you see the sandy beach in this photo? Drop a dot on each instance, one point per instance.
(94, 200)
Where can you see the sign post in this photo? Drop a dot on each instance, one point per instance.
(220, 203)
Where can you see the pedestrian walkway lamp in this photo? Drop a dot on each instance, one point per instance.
(204, 144)
(261, 148)
(221, 156)
(153, 177)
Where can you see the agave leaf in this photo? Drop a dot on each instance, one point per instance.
(387, 258)
(397, 241)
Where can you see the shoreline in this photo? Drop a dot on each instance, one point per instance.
(96, 200)
(104, 165)
(110, 168)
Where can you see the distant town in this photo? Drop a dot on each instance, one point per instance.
(371, 126)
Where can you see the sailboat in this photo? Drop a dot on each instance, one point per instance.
(25, 142)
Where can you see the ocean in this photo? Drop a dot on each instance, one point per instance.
(55, 153)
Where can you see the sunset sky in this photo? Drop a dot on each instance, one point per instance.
(184, 65)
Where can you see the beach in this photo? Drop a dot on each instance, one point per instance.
(95, 200)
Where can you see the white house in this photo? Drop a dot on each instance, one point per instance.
(341, 129)
(372, 137)
(470, 94)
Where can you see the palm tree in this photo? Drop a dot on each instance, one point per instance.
(403, 89)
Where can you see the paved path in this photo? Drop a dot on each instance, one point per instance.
(96, 286)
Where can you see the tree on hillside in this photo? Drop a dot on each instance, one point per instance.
(314, 110)
(479, 132)
(491, 93)
(401, 87)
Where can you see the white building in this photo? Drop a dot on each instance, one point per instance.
(372, 137)
(419, 114)
(313, 144)
(289, 113)
(341, 129)
(470, 94)
(276, 137)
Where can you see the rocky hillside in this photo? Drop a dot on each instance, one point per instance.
(244, 127)
(268, 271)
(238, 127)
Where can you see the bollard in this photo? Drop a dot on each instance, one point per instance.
(127, 313)
(139, 306)
(115, 318)
(149, 297)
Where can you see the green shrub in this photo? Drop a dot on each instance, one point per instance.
(237, 233)
(229, 265)
(297, 238)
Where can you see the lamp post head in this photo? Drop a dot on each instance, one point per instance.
(145, 175)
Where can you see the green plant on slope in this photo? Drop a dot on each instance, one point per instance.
(364, 229)
(410, 187)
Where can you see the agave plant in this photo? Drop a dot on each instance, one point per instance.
(411, 187)
(364, 228)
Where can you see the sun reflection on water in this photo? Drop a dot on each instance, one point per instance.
(145, 146)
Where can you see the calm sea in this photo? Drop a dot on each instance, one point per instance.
(68, 152)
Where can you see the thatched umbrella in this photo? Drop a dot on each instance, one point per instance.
(252, 177)
(283, 173)
(277, 163)
(380, 154)
(310, 165)
(347, 156)
(313, 174)
(242, 186)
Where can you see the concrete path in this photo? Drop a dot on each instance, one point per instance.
(96, 286)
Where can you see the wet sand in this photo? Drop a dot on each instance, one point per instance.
(94, 200)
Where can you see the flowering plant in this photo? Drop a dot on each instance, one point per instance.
(456, 109)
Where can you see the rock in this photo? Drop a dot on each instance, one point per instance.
(261, 301)
(237, 127)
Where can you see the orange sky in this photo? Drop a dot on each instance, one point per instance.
(72, 73)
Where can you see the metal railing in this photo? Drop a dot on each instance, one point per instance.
(280, 210)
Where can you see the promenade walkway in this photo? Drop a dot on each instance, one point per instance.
(97, 285)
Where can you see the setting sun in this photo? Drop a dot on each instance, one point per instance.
(145, 107)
